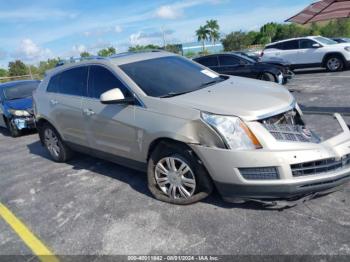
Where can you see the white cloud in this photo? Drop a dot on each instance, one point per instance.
(176, 10)
(169, 12)
(30, 51)
(35, 14)
(143, 38)
(99, 31)
(118, 29)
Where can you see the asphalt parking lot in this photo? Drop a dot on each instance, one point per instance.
(90, 206)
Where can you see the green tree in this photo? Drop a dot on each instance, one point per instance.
(107, 51)
(269, 30)
(85, 54)
(213, 31)
(235, 41)
(17, 68)
(139, 48)
(3, 72)
(202, 35)
(47, 65)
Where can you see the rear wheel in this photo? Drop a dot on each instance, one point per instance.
(54, 144)
(267, 77)
(176, 176)
(334, 64)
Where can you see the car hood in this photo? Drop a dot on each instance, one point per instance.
(246, 98)
(19, 104)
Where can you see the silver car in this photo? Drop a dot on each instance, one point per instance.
(191, 129)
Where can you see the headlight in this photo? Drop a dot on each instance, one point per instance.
(347, 48)
(19, 112)
(233, 131)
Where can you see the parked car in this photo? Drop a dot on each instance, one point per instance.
(311, 51)
(341, 39)
(240, 65)
(284, 65)
(190, 128)
(16, 106)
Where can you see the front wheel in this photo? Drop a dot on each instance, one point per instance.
(54, 144)
(176, 176)
(334, 64)
(13, 129)
(267, 77)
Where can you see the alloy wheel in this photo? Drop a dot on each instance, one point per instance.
(51, 142)
(175, 178)
(333, 64)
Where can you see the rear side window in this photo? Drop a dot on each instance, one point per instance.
(290, 45)
(102, 80)
(73, 81)
(228, 61)
(53, 85)
(208, 61)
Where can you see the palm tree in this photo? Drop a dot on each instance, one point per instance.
(202, 35)
(213, 27)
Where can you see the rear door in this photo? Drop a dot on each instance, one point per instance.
(66, 102)
(110, 128)
(289, 51)
(2, 119)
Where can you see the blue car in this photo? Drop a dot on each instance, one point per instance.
(16, 106)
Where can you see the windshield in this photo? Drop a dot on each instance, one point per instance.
(325, 41)
(22, 90)
(169, 76)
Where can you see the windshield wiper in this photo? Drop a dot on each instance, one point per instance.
(212, 82)
(172, 94)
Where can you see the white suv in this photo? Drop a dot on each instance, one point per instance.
(311, 51)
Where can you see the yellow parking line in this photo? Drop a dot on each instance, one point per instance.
(38, 248)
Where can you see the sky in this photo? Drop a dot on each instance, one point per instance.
(37, 30)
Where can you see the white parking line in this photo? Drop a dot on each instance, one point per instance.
(319, 77)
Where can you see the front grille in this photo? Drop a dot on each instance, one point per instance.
(260, 173)
(320, 166)
(294, 133)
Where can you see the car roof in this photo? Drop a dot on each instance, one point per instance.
(291, 39)
(118, 59)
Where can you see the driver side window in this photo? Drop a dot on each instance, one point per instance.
(228, 61)
(306, 44)
(102, 80)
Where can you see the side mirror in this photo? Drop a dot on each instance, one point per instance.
(115, 96)
(316, 46)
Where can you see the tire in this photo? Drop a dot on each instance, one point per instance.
(13, 129)
(334, 63)
(189, 187)
(267, 77)
(54, 144)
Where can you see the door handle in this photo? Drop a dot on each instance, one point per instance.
(88, 112)
(53, 102)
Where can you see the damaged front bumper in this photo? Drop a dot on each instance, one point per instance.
(24, 122)
(281, 171)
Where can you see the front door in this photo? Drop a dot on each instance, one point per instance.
(110, 128)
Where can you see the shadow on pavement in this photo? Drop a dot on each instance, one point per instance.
(136, 179)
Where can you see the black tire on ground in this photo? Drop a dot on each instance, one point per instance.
(334, 63)
(63, 152)
(267, 77)
(204, 185)
(13, 129)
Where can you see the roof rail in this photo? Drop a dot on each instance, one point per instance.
(78, 59)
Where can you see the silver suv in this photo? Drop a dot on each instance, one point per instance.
(190, 128)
